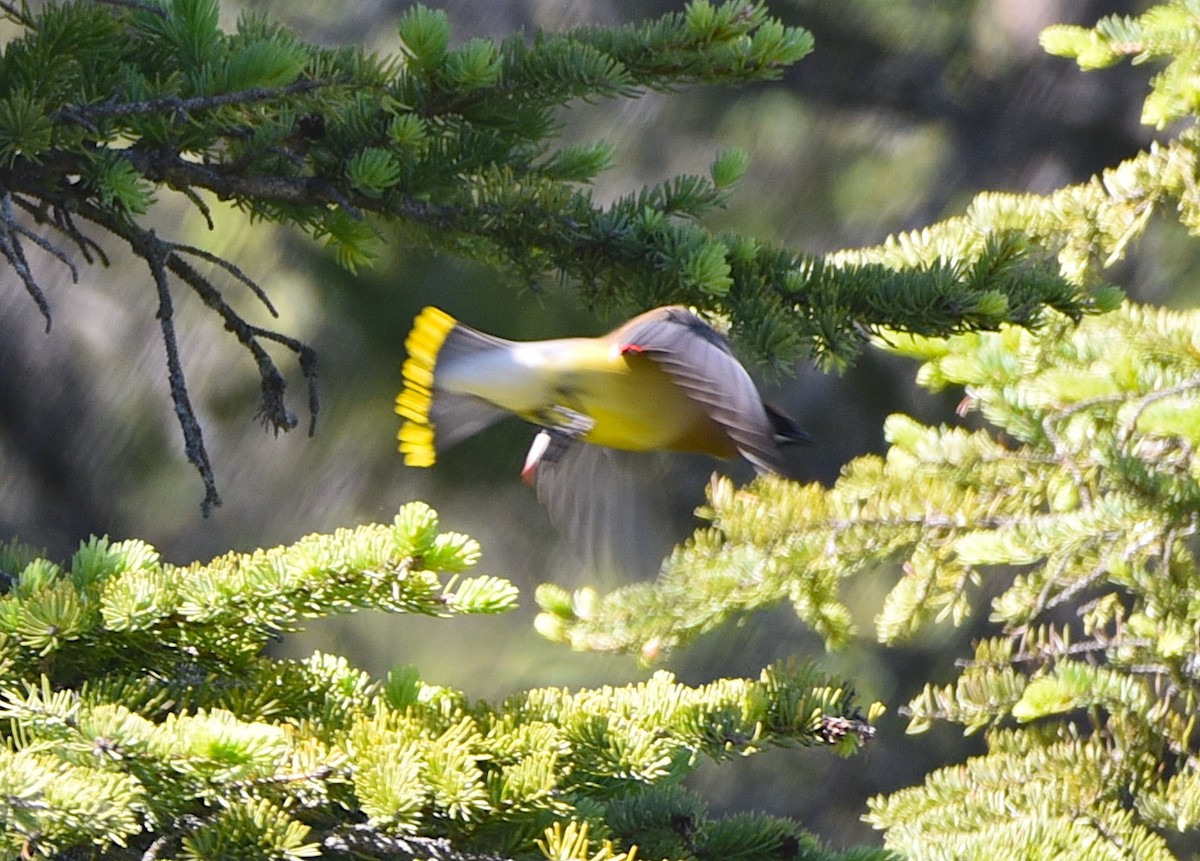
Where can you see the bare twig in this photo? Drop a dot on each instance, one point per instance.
(157, 253)
(157, 846)
(1060, 449)
(165, 257)
(1129, 425)
(1082, 584)
(232, 270)
(154, 252)
(39, 240)
(85, 243)
(306, 356)
(60, 219)
(198, 202)
(14, 253)
(273, 410)
(87, 246)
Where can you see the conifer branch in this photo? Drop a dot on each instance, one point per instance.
(232, 753)
(173, 170)
(152, 8)
(88, 115)
(1080, 504)
(365, 841)
(445, 143)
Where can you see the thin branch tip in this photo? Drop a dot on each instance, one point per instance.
(165, 258)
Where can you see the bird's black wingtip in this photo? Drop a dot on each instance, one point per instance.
(794, 437)
(786, 430)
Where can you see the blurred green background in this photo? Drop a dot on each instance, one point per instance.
(905, 110)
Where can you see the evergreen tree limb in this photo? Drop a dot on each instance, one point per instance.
(455, 144)
(145, 721)
(152, 8)
(365, 841)
(1081, 509)
(88, 115)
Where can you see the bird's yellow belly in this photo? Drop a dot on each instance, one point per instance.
(635, 405)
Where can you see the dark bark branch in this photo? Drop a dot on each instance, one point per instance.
(232, 270)
(163, 257)
(198, 202)
(60, 219)
(135, 4)
(13, 12)
(169, 169)
(273, 411)
(86, 115)
(154, 252)
(87, 246)
(306, 356)
(37, 239)
(14, 253)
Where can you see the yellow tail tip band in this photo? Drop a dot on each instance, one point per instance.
(413, 404)
(416, 444)
(414, 401)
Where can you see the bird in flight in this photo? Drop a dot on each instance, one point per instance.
(664, 381)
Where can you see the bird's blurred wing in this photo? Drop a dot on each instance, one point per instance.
(620, 511)
(700, 361)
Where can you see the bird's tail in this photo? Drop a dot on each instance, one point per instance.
(435, 419)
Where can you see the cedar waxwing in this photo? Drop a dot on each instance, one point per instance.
(664, 381)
